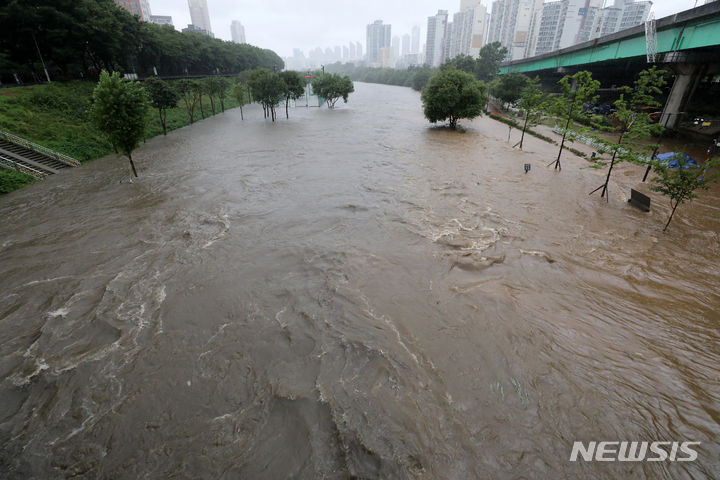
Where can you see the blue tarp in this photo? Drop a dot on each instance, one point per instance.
(672, 160)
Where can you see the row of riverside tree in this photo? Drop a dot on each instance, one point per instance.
(120, 107)
(451, 94)
(78, 38)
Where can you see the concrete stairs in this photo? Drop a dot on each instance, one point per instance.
(24, 156)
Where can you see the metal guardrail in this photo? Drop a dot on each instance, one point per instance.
(13, 165)
(69, 161)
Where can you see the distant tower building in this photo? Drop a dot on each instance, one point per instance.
(199, 15)
(237, 31)
(345, 53)
(405, 45)
(351, 51)
(396, 47)
(359, 50)
(437, 24)
(378, 36)
(415, 45)
(161, 20)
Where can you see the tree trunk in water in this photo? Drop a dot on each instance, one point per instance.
(212, 105)
(607, 179)
(132, 164)
(562, 144)
(671, 214)
(222, 105)
(287, 100)
(241, 113)
(527, 116)
(162, 121)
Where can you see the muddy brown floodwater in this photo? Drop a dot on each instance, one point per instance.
(352, 294)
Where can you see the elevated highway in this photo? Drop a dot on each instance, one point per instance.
(688, 44)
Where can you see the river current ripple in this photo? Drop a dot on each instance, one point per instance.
(352, 294)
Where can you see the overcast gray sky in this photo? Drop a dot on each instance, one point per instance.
(282, 25)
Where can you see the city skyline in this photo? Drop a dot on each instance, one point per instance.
(282, 26)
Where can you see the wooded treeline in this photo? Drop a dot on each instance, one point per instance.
(79, 38)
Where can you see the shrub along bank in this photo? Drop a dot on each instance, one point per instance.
(57, 116)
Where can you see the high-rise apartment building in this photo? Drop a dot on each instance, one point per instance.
(563, 23)
(200, 15)
(358, 49)
(237, 32)
(436, 27)
(510, 24)
(396, 47)
(634, 13)
(468, 29)
(378, 36)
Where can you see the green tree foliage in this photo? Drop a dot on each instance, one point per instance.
(221, 86)
(680, 184)
(11, 180)
(332, 87)
(189, 95)
(294, 87)
(414, 77)
(577, 90)
(489, 60)
(632, 121)
(508, 88)
(464, 63)
(268, 89)
(240, 92)
(532, 103)
(86, 36)
(162, 97)
(451, 95)
(485, 67)
(120, 111)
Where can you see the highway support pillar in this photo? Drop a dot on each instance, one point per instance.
(687, 77)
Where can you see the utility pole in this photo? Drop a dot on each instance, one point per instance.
(41, 58)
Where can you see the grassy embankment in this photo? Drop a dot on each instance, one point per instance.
(57, 116)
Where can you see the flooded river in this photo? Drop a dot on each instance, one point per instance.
(352, 294)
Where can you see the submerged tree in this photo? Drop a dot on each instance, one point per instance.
(268, 89)
(332, 87)
(294, 87)
(577, 90)
(189, 95)
(532, 103)
(162, 97)
(240, 91)
(680, 184)
(119, 111)
(632, 120)
(451, 95)
(221, 86)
